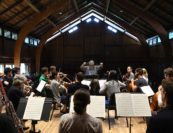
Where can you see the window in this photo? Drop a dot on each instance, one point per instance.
(31, 41)
(0, 31)
(170, 35)
(1, 68)
(14, 36)
(9, 65)
(7, 34)
(154, 40)
(35, 42)
(27, 40)
(24, 68)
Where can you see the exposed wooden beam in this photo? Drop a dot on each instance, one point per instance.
(10, 7)
(55, 6)
(145, 9)
(107, 5)
(130, 8)
(28, 2)
(76, 5)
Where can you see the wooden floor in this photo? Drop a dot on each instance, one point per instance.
(117, 126)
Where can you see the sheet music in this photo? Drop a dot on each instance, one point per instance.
(41, 86)
(147, 90)
(34, 108)
(96, 108)
(132, 105)
(86, 82)
(140, 105)
(102, 83)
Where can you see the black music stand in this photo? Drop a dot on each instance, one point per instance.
(44, 116)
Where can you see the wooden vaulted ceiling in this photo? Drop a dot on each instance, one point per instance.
(15, 13)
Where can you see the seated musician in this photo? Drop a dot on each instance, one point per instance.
(94, 87)
(158, 100)
(129, 75)
(145, 74)
(113, 85)
(80, 121)
(139, 80)
(73, 87)
(91, 69)
(7, 79)
(6, 123)
(52, 69)
(162, 122)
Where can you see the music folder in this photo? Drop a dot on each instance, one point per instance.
(147, 90)
(132, 105)
(96, 108)
(41, 86)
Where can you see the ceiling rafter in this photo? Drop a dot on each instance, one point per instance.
(76, 5)
(10, 7)
(145, 9)
(28, 2)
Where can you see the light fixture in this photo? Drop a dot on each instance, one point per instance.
(96, 20)
(112, 29)
(88, 20)
(73, 29)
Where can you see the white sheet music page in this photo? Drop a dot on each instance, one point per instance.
(147, 90)
(86, 82)
(124, 104)
(140, 105)
(34, 108)
(41, 86)
(102, 83)
(96, 108)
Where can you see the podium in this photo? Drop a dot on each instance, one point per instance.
(44, 115)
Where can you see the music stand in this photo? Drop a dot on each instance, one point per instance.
(45, 113)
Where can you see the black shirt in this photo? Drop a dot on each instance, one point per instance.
(72, 88)
(7, 83)
(6, 124)
(14, 94)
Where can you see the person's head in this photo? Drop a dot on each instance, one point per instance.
(113, 75)
(81, 100)
(91, 63)
(18, 83)
(53, 75)
(8, 71)
(168, 73)
(79, 76)
(53, 69)
(168, 91)
(44, 70)
(138, 72)
(16, 70)
(145, 73)
(129, 69)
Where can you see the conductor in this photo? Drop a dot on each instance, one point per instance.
(90, 69)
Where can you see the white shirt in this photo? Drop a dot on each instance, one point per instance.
(74, 123)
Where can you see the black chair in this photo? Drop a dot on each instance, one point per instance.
(112, 106)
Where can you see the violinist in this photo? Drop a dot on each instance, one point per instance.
(139, 81)
(129, 75)
(158, 100)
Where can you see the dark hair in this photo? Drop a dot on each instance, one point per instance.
(95, 87)
(80, 76)
(139, 71)
(168, 72)
(44, 69)
(168, 87)
(113, 75)
(52, 68)
(81, 99)
(7, 70)
(53, 75)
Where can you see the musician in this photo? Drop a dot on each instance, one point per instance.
(158, 100)
(6, 123)
(80, 121)
(8, 79)
(145, 74)
(78, 79)
(113, 85)
(91, 69)
(139, 80)
(162, 122)
(129, 75)
(52, 69)
(15, 70)
(95, 87)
